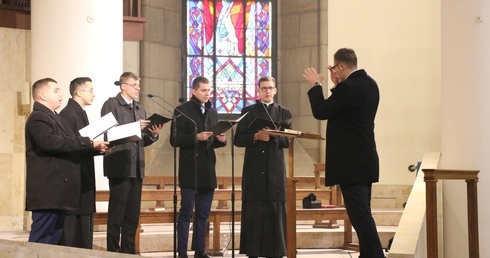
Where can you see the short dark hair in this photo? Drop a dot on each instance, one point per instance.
(127, 75)
(267, 79)
(39, 85)
(346, 56)
(77, 82)
(198, 80)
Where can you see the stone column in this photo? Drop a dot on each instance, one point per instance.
(79, 38)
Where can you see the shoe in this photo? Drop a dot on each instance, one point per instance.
(183, 256)
(201, 255)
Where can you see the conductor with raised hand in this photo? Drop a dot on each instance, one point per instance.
(194, 132)
(53, 152)
(124, 166)
(351, 156)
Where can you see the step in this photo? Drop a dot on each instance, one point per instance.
(159, 237)
(387, 216)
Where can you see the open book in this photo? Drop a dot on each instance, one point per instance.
(125, 133)
(224, 125)
(99, 126)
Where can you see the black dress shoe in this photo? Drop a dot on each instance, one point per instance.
(201, 255)
(183, 256)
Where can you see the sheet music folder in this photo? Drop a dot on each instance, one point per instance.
(224, 125)
(260, 123)
(99, 126)
(156, 119)
(125, 133)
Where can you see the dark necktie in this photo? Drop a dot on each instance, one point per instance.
(85, 117)
(131, 107)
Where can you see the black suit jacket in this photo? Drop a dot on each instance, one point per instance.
(126, 160)
(351, 148)
(76, 118)
(186, 140)
(53, 161)
(264, 168)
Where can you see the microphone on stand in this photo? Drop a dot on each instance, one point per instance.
(174, 134)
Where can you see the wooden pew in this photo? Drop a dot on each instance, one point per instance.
(164, 192)
(328, 195)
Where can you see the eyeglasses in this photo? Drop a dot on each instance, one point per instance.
(132, 85)
(267, 88)
(333, 67)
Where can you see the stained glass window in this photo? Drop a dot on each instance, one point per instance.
(230, 43)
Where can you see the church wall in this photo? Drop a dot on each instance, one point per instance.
(465, 121)
(398, 43)
(15, 68)
(302, 43)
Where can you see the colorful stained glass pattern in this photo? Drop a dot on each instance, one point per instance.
(229, 42)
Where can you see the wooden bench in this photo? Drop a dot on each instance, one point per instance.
(325, 194)
(222, 213)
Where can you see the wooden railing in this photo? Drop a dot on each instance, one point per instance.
(414, 239)
(132, 20)
(18, 5)
(17, 14)
(409, 239)
(431, 177)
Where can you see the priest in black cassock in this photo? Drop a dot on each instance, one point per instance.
(263, 225)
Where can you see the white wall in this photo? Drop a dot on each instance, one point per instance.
(398, 44)
(465, 117)
(79, 38)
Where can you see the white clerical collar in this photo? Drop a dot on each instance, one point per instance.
(267, 104)
(127, 101)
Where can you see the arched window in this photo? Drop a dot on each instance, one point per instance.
(231, 43)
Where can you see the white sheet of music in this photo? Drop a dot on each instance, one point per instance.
(99, 126)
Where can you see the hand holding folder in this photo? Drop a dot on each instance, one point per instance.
(157, 120)
(224, 125)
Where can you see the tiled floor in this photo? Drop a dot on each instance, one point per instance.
(302, 253)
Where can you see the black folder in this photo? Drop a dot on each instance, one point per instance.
(224, 125)
(156, 119)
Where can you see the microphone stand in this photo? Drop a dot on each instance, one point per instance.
(174, 121)
(232, 192)
(174, 134)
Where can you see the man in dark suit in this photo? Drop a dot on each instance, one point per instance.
(53, 164)
(194, 129)
(124, 166)
(78, 231)
(263, 228)
(351, 156)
